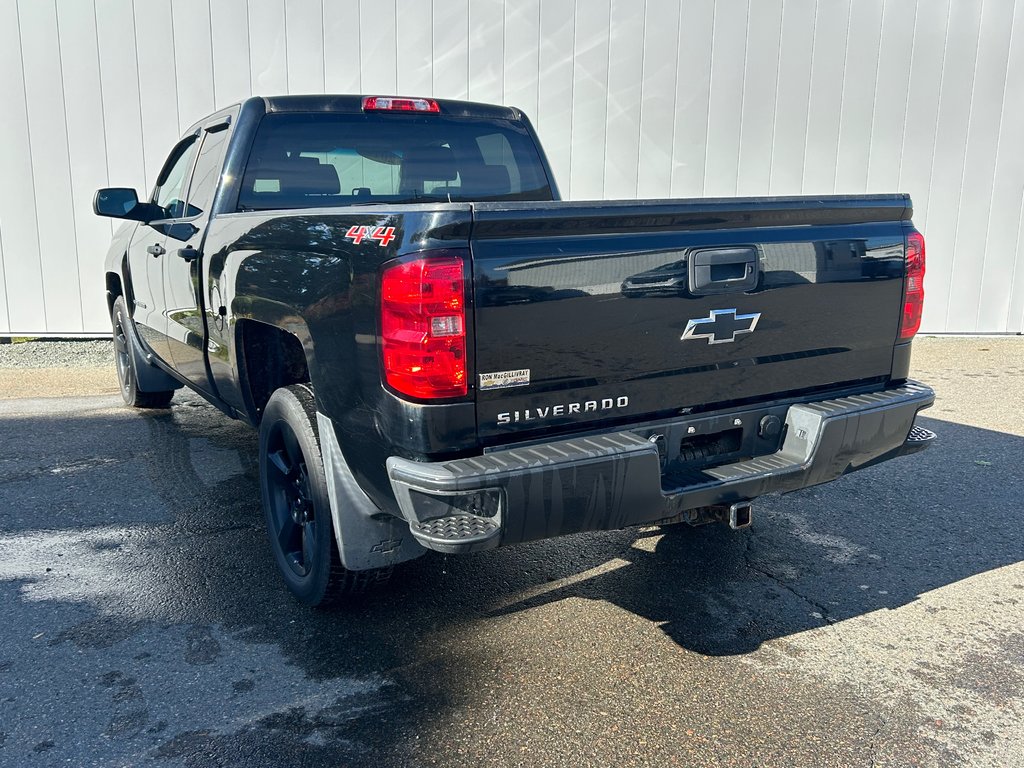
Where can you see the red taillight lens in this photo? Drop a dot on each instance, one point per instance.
(913, 291)
(391, 104)
(423, 326)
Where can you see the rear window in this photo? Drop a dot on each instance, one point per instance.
(302, 160)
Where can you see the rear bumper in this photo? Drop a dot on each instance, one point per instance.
(615, 480)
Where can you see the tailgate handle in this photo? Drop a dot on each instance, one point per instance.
(723, 270)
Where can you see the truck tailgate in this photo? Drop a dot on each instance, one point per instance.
(623, 311)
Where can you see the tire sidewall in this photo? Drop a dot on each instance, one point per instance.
(295, 407)
(119, 316)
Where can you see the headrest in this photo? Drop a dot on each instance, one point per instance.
(309, 176)
(422, 164)
(300, 176)
(494, 180)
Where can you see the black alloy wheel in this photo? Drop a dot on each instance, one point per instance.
(292, 510)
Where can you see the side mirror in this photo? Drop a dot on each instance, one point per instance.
(123, 203)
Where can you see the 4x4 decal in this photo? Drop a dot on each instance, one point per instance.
(383, 235)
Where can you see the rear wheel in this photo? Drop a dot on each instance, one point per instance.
(297, 506)
(124, 360)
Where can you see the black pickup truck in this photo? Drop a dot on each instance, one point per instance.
(440, 354)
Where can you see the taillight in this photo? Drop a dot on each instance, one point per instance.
(392, 104)
(913, 291)
(423, 326)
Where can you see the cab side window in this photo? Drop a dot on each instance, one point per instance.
(208, 171)
(173, 181)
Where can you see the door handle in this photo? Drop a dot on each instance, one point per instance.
(189, 254)
(155, 250)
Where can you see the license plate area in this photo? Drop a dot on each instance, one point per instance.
(688, 446)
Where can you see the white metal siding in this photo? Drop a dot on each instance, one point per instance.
(632, 98)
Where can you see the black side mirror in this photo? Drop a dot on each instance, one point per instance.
(123, 203)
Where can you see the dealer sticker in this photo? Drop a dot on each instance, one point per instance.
(503, 379)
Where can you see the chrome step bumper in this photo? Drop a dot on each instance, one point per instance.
(615, 480)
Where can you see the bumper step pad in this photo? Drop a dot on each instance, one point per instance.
(457, 533)
(918, 439)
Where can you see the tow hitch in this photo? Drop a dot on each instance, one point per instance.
(737, 516)
(740, 515)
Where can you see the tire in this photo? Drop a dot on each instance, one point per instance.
(124, 361)
(297, 507)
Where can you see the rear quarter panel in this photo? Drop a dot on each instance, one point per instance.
(297, 271)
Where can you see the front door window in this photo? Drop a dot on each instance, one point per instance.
(170, 190)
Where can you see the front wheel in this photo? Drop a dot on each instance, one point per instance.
(124, 361)
(297, 506)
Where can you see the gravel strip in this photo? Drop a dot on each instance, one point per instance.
(85, 353)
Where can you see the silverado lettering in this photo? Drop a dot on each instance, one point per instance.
(605, 404)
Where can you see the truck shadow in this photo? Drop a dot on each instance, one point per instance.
(151, 524)
(873, 540)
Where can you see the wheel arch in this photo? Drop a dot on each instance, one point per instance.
(117, 285)
(270, 356)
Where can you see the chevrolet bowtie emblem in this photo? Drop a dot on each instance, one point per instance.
(721, 326)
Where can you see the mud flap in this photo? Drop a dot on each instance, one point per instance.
(367, 538)
(148, 376)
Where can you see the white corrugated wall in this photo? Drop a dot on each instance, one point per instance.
(631, 99)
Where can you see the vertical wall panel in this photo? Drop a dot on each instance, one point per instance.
(693, 95)
(304, 43)
(5, 320)
(158, 98)
(522, 55)
(47, 127)
(796, 49)
(728, 53)
(926, 67)
(589, 100)
(1015, 319)
(76, 24)
(625, 91)
(119, 91)
(958, 71)
(631, 98)
(979, 166)
(486, 50)
(18, 227)
(657, 113)
(856, 117)
(761, 72)
(892, 90)
(377, 46)
(268, 54)
(555, 84)
(831, 25)
(193, 60)
(229, 30)
(451, 48)
(341, 48)
(415, 48)
(1002, 287)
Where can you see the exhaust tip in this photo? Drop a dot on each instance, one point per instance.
(740, 515)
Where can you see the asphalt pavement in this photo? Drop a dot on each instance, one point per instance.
(875, 621)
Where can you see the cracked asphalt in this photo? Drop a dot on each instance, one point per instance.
(876, 621)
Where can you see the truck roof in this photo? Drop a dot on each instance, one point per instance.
(354, 103)
(349, 102)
